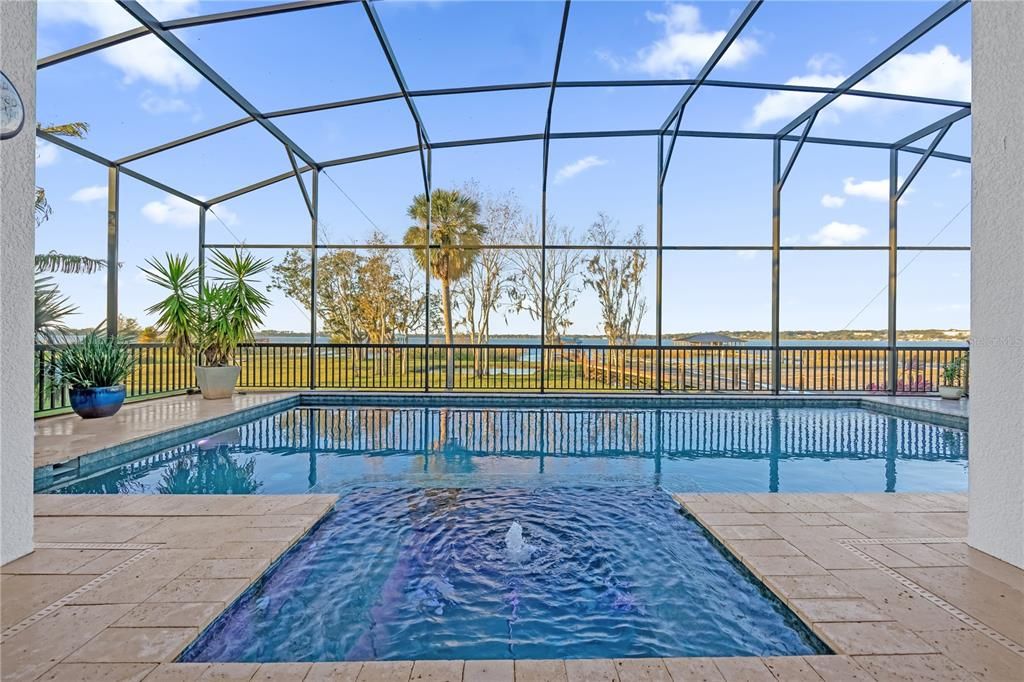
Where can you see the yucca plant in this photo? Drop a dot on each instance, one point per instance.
(95, 361)
(176, 313)
(952, 372)
(214, 320)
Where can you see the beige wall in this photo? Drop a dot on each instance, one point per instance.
(17, 242)
(996, 518)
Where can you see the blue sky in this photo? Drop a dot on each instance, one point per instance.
(718, 191)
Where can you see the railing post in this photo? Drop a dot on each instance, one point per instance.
(776, 360)
(659, 351)
(893, 265)
(449, 374)
(313, 255)
(113, 200)
(427, 183)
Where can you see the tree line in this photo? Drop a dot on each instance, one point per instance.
(377, 294)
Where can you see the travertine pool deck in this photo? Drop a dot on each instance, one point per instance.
(884, 578)
(119, 585)
(67, 436)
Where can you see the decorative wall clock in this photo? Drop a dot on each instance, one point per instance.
(12, 110)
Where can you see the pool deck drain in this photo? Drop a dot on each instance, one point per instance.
(884, 578)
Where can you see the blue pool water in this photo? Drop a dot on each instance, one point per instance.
(718, 450)
(426, 573)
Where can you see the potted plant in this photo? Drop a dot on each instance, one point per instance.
(210, 321)
(951, 387)
(94, 370)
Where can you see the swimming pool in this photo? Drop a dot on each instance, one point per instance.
(427, 573)
(331, 449)
(480, 532)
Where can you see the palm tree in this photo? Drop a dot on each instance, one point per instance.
(53, 261)
(455, 236)
(52, 308)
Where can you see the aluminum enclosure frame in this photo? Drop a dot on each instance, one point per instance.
(669, 132)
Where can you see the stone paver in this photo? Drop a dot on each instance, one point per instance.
(887, 582)
(135, 608)
(591, 670)
(540, 671)
(489, 671)
(334, 672)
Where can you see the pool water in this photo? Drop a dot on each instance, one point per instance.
(715, 450)
(429, 573)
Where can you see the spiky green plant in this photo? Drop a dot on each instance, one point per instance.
(175, 313)
(952, 372)
(95, 361)
(215, 320)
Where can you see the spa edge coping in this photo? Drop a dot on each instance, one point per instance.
(94, 462)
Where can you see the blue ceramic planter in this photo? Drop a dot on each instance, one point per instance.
(90, 403)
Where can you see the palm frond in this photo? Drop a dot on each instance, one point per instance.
(51, 309)
(68, 264)
(77, 129)
(42, 207)
(176, 313)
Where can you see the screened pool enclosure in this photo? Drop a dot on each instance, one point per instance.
(380, 111)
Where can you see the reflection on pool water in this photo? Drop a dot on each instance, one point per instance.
(418, 573)
(717, 450)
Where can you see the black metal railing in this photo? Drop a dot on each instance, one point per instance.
(531, 368)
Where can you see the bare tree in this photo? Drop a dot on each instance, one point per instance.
(617, 276)
(484, 289)
(561, 282)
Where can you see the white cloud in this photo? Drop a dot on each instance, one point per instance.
(957, 172)
(46, 153)
(576, 167)
(838, 234)
(832, 201)
(875, 190)
(824, 62)
(177, 212)
(685, 46)
(936, 73)
(89, 194)
(227, 216)
(746, 254)
(786, 105)
(155, 104)
(141, 59)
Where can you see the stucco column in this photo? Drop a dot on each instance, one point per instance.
(996, 516)
(17, 244)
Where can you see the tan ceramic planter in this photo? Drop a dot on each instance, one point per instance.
(951, 392)
(217, 382)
